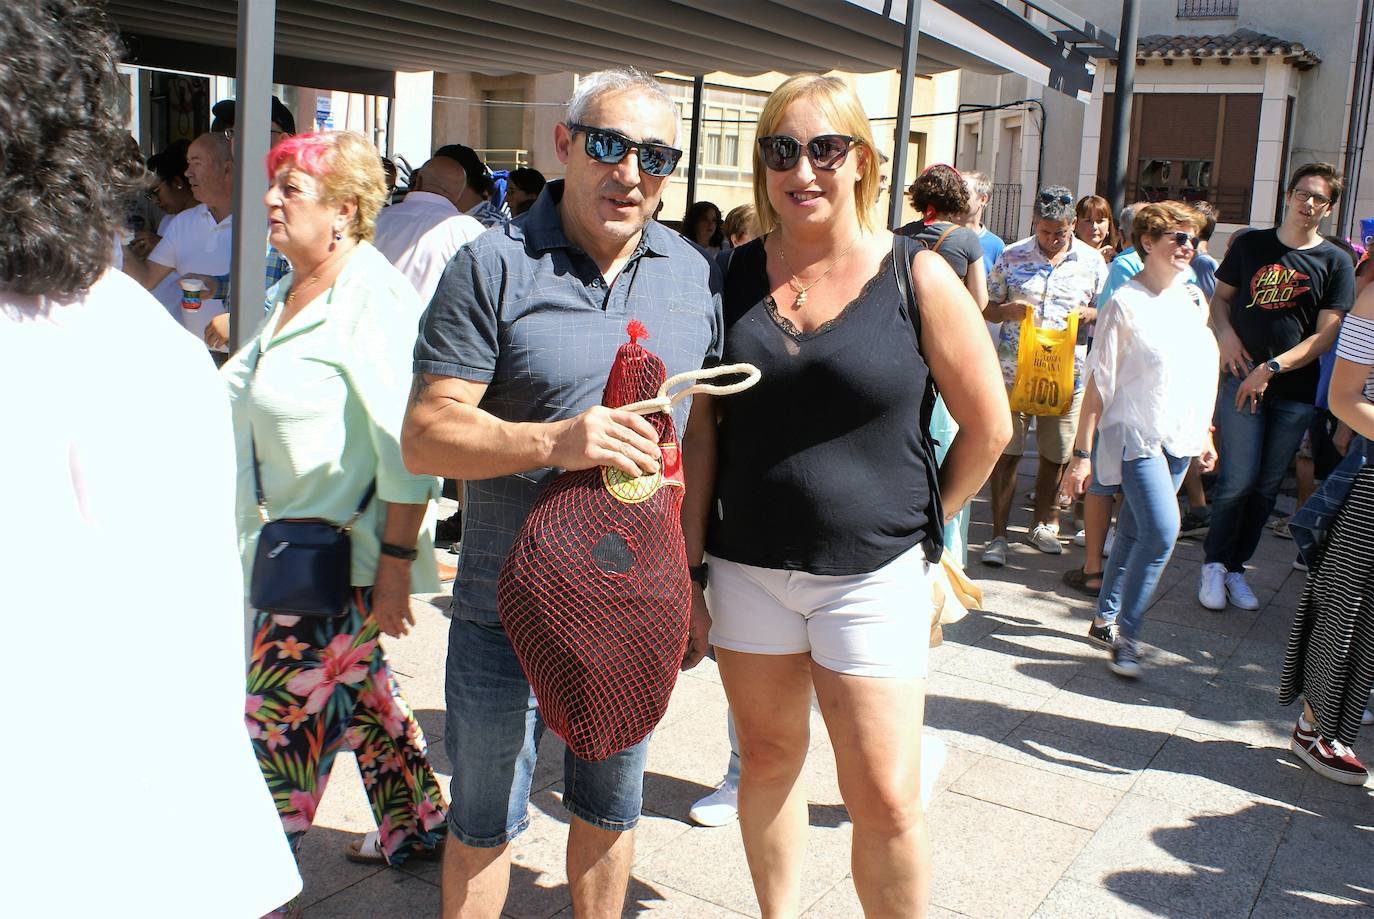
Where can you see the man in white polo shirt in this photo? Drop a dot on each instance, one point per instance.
(421, 233)
(198, 242)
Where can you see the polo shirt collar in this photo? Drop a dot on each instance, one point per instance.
(543, 228)
(430, 198)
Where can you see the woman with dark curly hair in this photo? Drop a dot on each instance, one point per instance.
(98, 381)
(702, 225)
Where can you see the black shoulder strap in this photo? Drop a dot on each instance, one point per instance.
(901, 271)
(257, 467)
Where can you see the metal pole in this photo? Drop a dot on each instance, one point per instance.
(1117, 164)
(698, 90)
(902, 135)
(252, 133)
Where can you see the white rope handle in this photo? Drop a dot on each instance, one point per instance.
(663, 401)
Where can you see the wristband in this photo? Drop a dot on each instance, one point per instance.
(1082, 454)
(400, 552)
(698, 573)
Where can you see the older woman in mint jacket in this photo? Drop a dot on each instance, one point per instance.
(319, 395)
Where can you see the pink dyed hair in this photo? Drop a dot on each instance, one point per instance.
(346, 165)
(311, 153)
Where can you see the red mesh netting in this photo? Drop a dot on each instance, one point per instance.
(595, 594)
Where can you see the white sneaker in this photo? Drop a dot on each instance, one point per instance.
(718, 808)
(1367, 717)
(1109, 542)
(1044, 538)
(1239, 593)
(1211, 588)
(1080, 538)
(995, 553)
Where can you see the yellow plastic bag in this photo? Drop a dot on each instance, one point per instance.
(1044, 368)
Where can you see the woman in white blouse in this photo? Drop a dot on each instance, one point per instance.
(1152, 383)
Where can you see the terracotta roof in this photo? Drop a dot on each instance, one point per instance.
(1240, 43)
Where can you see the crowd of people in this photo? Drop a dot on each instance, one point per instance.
(461, 329)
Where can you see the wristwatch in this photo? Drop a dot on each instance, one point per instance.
(698, 573)
(1082, 454)
(1273, 366)
(400, 552)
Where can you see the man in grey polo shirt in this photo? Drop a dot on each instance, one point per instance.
(511, 360)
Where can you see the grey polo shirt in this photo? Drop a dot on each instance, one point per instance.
(528, 313)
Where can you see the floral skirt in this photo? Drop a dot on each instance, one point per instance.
(316, 683)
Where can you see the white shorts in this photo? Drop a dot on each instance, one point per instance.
(874, 625)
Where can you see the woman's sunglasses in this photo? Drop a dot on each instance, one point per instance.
(780, 152)
(607, 146)
(1181, 238)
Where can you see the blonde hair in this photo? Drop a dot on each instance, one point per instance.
(839, 104)
(741, 220)
(1152, 221)
(346, 165)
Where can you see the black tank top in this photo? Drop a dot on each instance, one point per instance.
(826, 465)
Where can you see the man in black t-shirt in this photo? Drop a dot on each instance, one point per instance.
(1278, 306)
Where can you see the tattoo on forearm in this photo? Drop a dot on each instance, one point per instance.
(417, 389)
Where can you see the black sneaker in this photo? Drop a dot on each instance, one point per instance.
(449, 532)
(1104, 635)
(1125, 658)
(1195, 524)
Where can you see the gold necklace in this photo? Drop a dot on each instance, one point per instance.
(795, 283)
(291, 294)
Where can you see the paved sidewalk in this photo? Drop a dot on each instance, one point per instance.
(1067, 791)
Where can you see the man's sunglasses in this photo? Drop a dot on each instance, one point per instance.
(1181, 238)
(607, 146)
(1047, 198)
(780, 152)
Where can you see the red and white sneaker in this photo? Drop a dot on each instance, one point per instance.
(1330, 759)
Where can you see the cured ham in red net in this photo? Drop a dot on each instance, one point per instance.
(594, 593)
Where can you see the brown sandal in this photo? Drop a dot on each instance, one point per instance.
(1079, 580)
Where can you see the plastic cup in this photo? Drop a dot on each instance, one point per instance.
(192, 290)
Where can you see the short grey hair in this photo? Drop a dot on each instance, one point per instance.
(618, 80)
(979, 182)
(1054, 209)
(1126, 219)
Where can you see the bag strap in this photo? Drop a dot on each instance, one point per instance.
(935, 246)
(901, 257)
(257, 469)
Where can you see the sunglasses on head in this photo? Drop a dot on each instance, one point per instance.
(1181, 238)
(1047, 198)
(780, 152)
(607, 146)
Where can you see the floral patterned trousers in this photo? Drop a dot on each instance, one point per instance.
(316, 683)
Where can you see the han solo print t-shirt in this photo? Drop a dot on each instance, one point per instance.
(1279, 292)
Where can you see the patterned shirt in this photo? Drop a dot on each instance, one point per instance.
(489, 215)
(526, 312)
(1023, 272)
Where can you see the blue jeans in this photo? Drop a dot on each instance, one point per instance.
(1145, 536)
(1256, 450)
(492, 731)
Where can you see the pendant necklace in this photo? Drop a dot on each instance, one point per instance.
(795, 283)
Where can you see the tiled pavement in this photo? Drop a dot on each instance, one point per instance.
(1067, 791)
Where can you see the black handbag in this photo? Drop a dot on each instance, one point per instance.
(302, 567)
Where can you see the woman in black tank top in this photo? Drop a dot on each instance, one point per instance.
(818, 497)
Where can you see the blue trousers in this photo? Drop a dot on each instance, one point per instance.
(1256, 450)
(1145, 536)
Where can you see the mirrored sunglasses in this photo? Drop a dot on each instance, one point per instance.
(780, 152)
(1047, 198)
(607, 146)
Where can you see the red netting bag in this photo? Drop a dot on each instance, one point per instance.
(594, 593)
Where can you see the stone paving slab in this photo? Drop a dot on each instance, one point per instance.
(1066, 792)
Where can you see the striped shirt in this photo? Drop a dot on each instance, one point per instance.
(1356, 345)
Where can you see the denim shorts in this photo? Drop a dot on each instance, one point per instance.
(492, 732)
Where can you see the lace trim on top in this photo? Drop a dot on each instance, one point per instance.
(790, 329)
